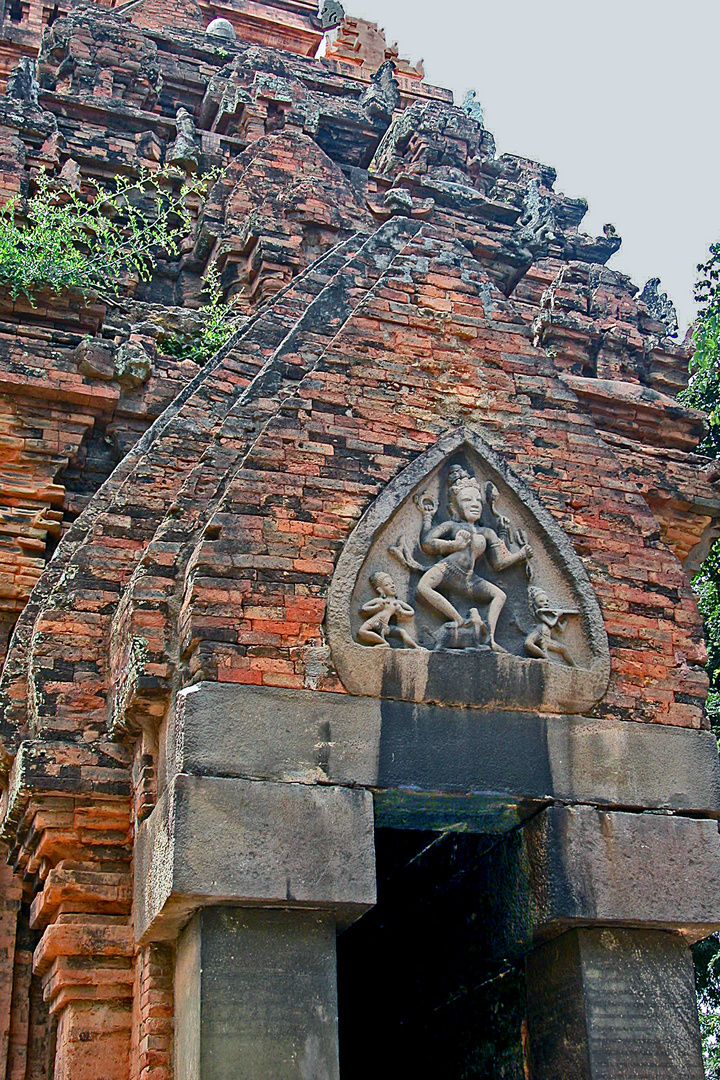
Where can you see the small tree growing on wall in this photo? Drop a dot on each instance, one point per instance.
(92, 242)
(61, 239)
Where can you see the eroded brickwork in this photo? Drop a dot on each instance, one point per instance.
(393, 279)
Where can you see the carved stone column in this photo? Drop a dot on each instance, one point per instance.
(256, 996)
(603, 906)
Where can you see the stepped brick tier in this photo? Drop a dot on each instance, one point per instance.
(352, 711)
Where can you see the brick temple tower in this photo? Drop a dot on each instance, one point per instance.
(352, 706)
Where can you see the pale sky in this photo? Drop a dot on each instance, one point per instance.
(621, 96)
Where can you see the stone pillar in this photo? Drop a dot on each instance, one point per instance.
(609, 1003)
(255, 996)
(255, 877)
(603, 905)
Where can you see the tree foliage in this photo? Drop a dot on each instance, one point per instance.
(703, 392)
(96, 240)
(92, 241)
(707, 981)
(707, 589)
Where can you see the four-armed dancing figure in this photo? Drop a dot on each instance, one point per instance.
(460, 542)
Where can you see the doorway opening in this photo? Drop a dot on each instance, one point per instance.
(419, 991)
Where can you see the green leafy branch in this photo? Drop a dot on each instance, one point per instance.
(703, 392)
(217, 324)
(61, 239)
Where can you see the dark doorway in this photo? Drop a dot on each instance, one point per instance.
(419, 992)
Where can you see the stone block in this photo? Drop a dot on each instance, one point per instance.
(132, 365)
(577, 866)
(613, 1003)
(214, 840)
(273, 733)
(95, 358)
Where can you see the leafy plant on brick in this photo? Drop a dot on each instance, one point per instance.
(218, 324)
(92, 241)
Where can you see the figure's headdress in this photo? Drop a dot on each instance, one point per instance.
(379, 580)
(459, 478)
(537, 598)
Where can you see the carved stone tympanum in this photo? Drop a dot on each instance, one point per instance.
(458, 586)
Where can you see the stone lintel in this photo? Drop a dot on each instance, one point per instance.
(429, 763)
(218, 840)
(613, 1003)
(579, 866)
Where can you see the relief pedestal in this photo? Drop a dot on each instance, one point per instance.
(457, 586)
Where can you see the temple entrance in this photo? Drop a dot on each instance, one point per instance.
(408, 924)
(419, 991)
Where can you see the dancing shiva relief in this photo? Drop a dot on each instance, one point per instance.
(457, 545)
(456, 585)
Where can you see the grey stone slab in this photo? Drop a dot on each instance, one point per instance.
(256, 997)
(613, 1005)
(269, 733)
(504, 762)
(571, 866)
(634, 765)
(214, 840)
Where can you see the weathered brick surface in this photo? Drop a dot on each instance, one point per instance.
(11, 896)
(108, 96)
(394, 278)
(152, 1045)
